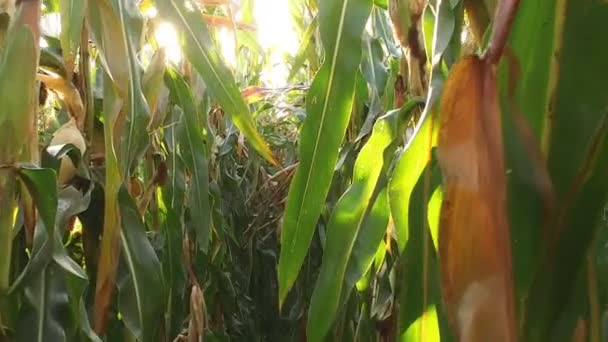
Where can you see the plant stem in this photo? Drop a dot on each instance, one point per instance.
(7, 206)
(503, 20)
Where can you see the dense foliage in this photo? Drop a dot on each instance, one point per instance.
(414, 170)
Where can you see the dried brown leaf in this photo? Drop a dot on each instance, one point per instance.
(474, 243)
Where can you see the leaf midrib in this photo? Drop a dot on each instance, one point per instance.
(132, 79)
(133, 272)
(323, 113)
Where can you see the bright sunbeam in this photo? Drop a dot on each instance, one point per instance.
(275, 33)
(276, 72)
(150, 12)
(274, 23)
(166, 37)
(227, 44)
(277, 36)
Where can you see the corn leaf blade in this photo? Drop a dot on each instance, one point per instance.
(142, 279)
(193, 152)
(346, 220)
(202, 51)
(329, 103)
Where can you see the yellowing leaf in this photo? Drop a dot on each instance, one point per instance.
(68, 93)
(474, 242)
(68, 133)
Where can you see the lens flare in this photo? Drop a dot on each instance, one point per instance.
(166, 37)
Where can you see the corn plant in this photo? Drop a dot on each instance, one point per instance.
(429, 170)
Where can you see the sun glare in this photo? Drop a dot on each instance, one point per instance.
(228, 46)
(274, 30)
(166, 36)
(274, 25)
(277, 36)
(150, 12)
(276, 72)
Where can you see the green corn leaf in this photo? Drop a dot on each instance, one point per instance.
(109, 253)
(51, 270)
(18, 63)
(42, 186)
(302, 53)
(581, 201)
(72, 17)
(419, 278)
(367, 245)
(373, 67)
(38, 321)
(381, 3)
(152, 84)
(381, 28)
(410, 171)
(204, 55)
(8, 186)
(329, 103)
(376, 75)
(141, 289)
(116, 29)
(416, 154)
(173, 270)
(388, 96)
(428, 31)
(193, 152)
(559, 94)
(347, 218)
(171, 205)
(72, 202)
(369, 239)
(533, 45)
(424, 328)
